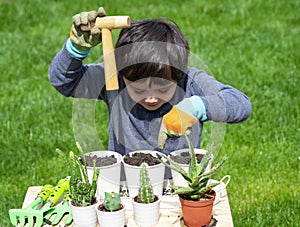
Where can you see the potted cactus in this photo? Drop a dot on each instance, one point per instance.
(132, 165)
(146, 204)
(82, 192)
(197, 197)
(111, 212)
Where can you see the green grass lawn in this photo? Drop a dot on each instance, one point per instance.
(252, 45)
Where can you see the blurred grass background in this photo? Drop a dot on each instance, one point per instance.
(252, 45)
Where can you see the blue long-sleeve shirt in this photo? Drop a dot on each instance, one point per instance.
(136, 127)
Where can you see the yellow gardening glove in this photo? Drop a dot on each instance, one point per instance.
(180, 118)
(84, 34)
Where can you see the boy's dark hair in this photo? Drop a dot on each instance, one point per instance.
(152, 48)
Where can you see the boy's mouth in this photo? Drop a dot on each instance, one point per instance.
(151, 106)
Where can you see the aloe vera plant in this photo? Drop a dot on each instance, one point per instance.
(81, 190)
(197, 176)
(145, 193)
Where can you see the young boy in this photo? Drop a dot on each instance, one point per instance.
(160, 98)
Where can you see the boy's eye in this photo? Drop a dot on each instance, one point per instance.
(138, 91)
(163, 90)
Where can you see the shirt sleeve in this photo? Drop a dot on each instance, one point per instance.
(70, 77)
(223, 103)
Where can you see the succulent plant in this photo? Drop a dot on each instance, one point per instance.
(145, 192)
(81, 190)
(112, 201)
(197, 175)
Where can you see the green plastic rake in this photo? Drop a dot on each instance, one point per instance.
(34, 213)
(24, 215)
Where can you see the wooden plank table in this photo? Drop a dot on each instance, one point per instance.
(170, 211)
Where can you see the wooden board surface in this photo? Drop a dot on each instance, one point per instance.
(170, 211)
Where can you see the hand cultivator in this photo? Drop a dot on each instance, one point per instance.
(59, 211)
(46, 199)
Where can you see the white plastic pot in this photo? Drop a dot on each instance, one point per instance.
(84, 216)
(220, 189)
(178, 180)
(109, 178)
(156, 175)
(111, 219)
(146, 214)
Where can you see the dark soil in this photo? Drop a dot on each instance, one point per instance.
(208, 195)
(138, 158)
(102, 208)
(100, 161)
(155, 198)
(185, 158)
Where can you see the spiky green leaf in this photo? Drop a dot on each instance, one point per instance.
(193, 170)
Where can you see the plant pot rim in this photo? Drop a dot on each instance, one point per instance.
(156, 200)
(196, 150)
(145, 152)
(138, 167)
(72, 204)
(142, 151)
(107, 211)
(211, 193)
(187, 150)
(105, 153)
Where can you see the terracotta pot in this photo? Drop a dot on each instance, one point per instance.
(197, 213)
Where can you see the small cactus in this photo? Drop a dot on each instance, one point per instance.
(112, 201)
(145, 193)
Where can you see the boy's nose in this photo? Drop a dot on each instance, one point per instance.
(151, 99)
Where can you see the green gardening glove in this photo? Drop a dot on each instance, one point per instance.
(84, 34)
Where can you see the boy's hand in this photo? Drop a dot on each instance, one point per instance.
(84, 34)
(180, 118)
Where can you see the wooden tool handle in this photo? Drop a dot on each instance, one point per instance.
(112, 22)
(110, 69)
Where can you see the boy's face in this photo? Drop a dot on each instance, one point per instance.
(151, 92)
